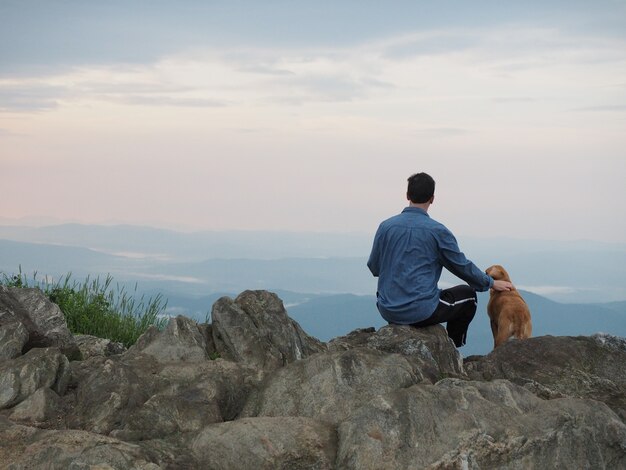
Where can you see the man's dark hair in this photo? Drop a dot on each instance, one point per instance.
(421, 188)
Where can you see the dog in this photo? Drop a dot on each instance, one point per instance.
(508, 313)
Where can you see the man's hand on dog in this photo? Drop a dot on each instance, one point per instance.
(502, 286)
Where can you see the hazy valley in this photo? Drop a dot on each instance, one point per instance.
(572, 287)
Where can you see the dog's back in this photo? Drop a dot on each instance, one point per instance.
(511, 314)
(508, 312)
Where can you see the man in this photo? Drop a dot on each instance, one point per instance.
(408, 254)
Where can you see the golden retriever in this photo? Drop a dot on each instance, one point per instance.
(508, 312)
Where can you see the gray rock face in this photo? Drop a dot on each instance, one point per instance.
(68, 449)
(13, 338)
(41, 406)
(43, 320)
(266, 444)
(429, 348)
(475, 425)
(396, 398)
(254, 329)
(586, 367)
(108, 389)
(182, 340)
(330, 386)
(38, 368)
(139, 398)
(93, 346)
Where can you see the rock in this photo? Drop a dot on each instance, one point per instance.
(93, 346)
(329, 386)
(69, 449)
(254, 329)
(138, 397)
(582, 366)
(43, 319)
(181, 340)
(266, 444)
(38, 368)
(456, 424)
(429, 348)
(13, 338)
(396, 398)
(41, 406)
(107, 390)
(196, 395)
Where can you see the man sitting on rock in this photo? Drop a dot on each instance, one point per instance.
(408, 254)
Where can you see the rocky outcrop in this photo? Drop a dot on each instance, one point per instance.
(23, 447)
(91, 346)
(38, 368)
(429, 348)
(591, 367)
(13, 338)
(255, 329)
(182, 340)
(462, 424)
(254, 391)
(333, 384)
(42, 319)
(267, 444)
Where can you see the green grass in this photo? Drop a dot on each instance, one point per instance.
(95, 308)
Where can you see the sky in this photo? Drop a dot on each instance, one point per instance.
(310, 116)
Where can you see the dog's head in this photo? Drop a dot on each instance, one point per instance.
(498, 273)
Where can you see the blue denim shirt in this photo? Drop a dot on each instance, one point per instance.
(408, 254)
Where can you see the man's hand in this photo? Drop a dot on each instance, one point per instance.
(502, 286)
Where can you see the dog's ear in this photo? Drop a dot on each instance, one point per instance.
(496, 271)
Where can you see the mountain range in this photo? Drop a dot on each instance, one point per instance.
(572, 287)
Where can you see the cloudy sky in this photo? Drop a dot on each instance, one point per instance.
(309, 116)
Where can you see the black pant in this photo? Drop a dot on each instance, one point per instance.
(456, 308)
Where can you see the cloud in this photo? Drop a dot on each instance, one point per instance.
(166, 101)
(166, 277)
(445, 131)
(430, 43)
(28, 98)
(514, 99)
(609, 108)
(127, 86)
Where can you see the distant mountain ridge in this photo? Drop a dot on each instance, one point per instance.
(194, 246)
(322, 278)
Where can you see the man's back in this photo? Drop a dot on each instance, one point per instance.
(405, 257)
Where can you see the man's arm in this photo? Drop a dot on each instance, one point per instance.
(455, 261)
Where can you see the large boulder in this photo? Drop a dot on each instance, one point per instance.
(38, 368)
(23, 447)
(457, 424)
(181, 340)
(139, 397)
(43, 405)
(329, 386)
(191, 397)
(429, 348)
(266, 444)
(13, 338)
(43, 319)
(554, 366)
(255, 329)
(106, 390)
(93, 346)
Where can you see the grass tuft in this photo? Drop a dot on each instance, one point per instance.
(95, 308)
